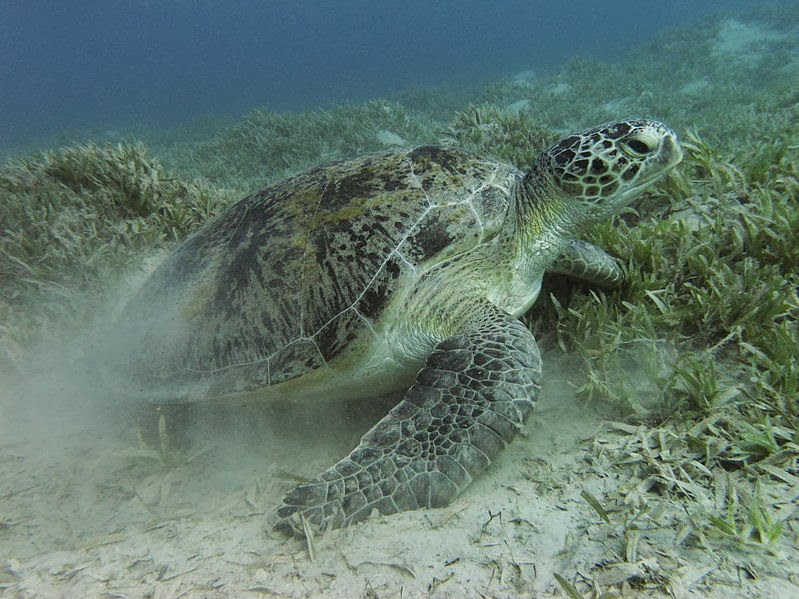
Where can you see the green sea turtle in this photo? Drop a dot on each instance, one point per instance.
(403, 270)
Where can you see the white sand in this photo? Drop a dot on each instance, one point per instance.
(84, 513)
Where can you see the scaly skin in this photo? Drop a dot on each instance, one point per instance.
(478, 385)
(584, 261)
(349, 278)
(469, 400)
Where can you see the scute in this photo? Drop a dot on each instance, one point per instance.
(292, 277)
(334, 337)
(375, 297)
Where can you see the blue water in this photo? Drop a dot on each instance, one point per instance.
(95, 64)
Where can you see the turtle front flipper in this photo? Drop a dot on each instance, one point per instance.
(468, 402)
(584, 261)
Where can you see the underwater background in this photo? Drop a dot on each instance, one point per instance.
(105, 64)
(663, 459)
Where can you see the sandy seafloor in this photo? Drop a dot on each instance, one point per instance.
(84, 512)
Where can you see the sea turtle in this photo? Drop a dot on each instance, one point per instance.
(402, 270)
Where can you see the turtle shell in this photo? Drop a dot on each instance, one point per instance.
(292, 278)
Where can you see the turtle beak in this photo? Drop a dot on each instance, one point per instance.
(669, 152)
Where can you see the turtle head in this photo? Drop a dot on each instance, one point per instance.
(603, 169)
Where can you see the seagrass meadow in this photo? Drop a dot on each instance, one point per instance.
(692, 366)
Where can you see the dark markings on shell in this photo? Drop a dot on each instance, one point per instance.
(379, 292)
(295, 359)
(289, 278)
(337, 334)
(424, 156)
(430, 238)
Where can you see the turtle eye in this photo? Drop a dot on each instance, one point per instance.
(636, 147)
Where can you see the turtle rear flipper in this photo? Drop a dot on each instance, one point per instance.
(468, 402)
